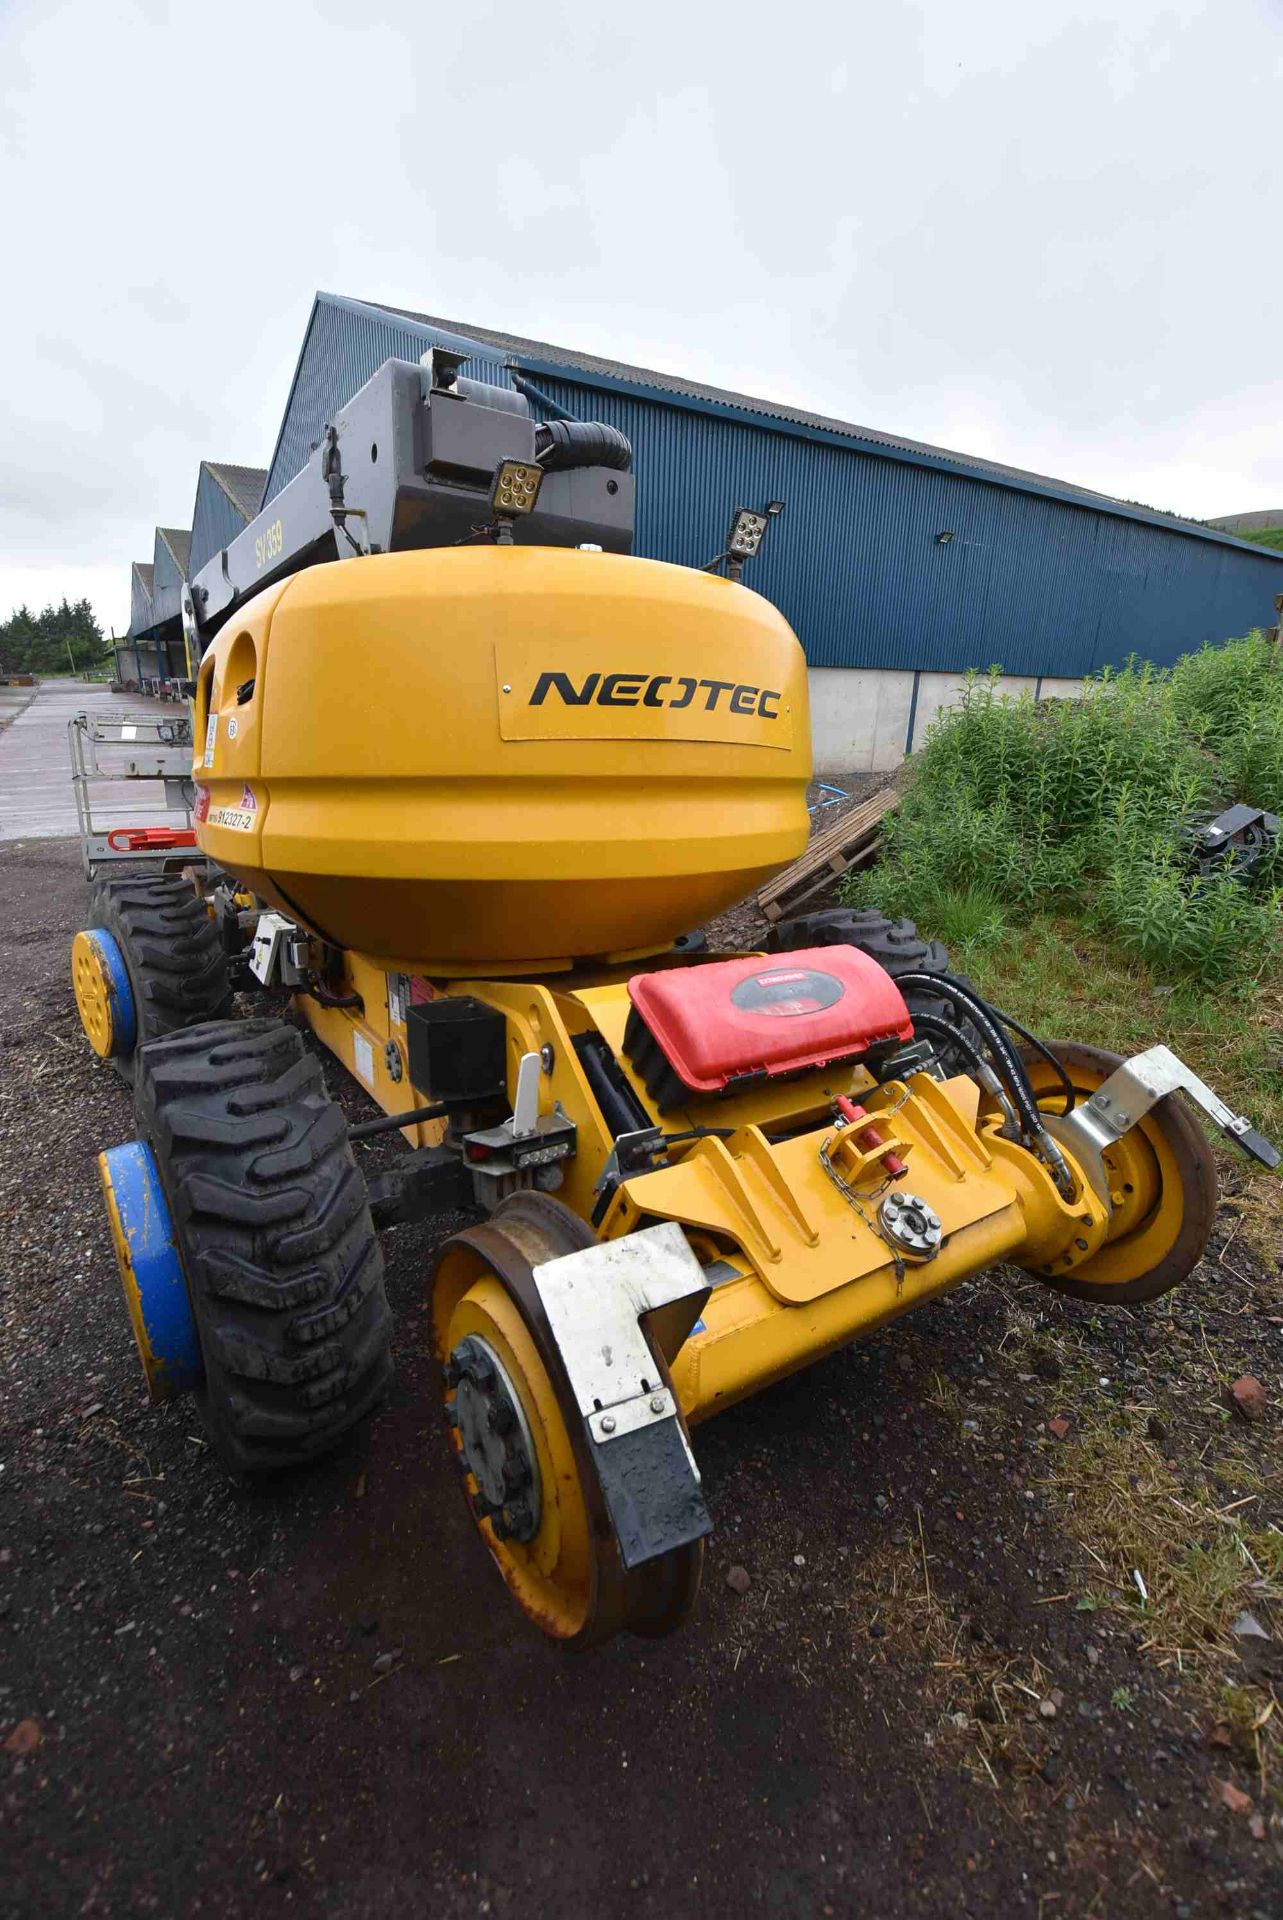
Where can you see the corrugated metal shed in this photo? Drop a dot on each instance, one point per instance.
(227, 498)
(173, 545)
(140, 597)
(1035, 583)
(1036, 575)
(345, 345)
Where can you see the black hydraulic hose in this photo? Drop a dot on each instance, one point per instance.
(931, 1023)
(983, 1016)
(325, 998)
(562, 444)
(1009, 1065)
(700, 1133)
(1040, 1046)
(393, 1122)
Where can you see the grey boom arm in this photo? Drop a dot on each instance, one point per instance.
(408, 462)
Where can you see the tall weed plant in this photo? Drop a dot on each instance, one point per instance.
(1087, 804)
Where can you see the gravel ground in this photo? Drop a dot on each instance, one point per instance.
(904, 1712)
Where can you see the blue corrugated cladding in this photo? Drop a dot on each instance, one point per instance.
(216, 521)
(140, 603)
(1031, 583)
(167, 584)
(345, 346)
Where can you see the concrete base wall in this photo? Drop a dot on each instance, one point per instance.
(865, 720)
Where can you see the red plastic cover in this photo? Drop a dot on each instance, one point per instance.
(728, 1018)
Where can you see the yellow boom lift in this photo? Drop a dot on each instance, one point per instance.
(462, 797)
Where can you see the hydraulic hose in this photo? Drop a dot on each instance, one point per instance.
(393, 1122)
(321, 993)
(1040, 1047)
(1008, 1062)
(562, 444)
(931, 1023)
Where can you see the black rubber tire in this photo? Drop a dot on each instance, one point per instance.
(283, 1266)
(172, 953)
(897, 946)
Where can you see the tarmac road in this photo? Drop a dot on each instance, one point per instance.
(192, 1720)
(36, 798)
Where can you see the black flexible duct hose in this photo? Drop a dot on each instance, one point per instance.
(562, 444)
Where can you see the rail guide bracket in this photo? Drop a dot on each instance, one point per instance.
(1129, 1094)
(595, 1302)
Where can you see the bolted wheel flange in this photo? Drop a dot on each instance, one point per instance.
(495, 1443)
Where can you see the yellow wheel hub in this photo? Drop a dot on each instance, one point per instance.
(104, 998)
(555, 1546)
(551, 1575)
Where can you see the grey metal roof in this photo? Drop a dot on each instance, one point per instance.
(145, 571)
(242, 485)
(680, 387)
(179, 541)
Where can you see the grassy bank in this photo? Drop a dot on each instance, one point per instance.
(1048, 846)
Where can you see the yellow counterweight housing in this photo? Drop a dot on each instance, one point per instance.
(499, 759)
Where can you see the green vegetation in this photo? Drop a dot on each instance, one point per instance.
(1045, 845)
(62, 639)
(1083, 808)
(1271, 537)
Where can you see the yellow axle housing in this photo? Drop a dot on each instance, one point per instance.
(800, 1267)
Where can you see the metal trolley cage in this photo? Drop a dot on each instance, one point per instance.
(167, 756)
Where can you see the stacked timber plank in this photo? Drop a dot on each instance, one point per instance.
(850, 841)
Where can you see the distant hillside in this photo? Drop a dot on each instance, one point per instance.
(1271, 537)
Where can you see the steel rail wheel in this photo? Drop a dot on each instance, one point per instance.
(1162, 1186)
(519, 1437)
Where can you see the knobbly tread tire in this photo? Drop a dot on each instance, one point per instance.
(896, 945)
(171, 950)
(283, 1265)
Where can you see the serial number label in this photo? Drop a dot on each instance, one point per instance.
(242, 818)
(268, 545)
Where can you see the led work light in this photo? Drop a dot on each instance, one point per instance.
(746, 532)
(748, 529)
(516, 486)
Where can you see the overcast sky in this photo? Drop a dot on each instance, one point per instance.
(1045, 234)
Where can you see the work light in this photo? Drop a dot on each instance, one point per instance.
(746, 532)
(516, 486)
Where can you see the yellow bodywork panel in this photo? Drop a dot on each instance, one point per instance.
(501, 759)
